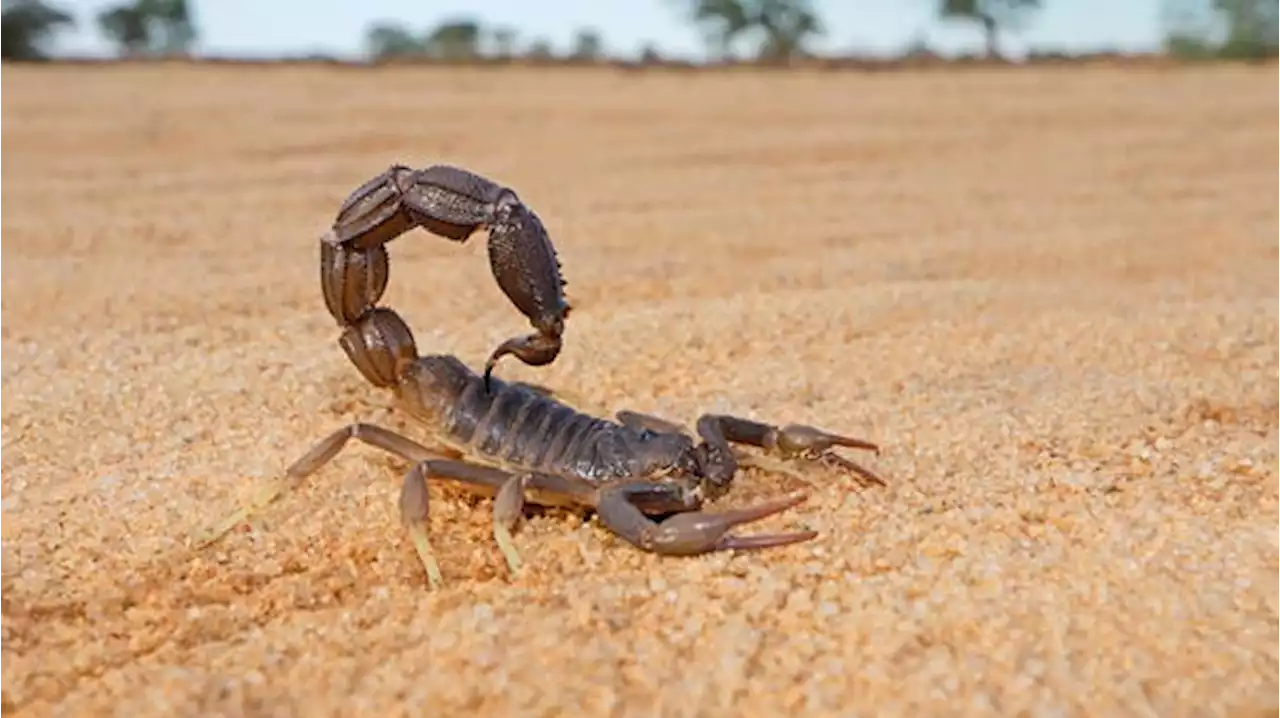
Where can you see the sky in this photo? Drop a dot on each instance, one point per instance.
(336, 27)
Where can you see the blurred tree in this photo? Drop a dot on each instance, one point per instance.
(1252, 27)
(26, 26)
(1189, 27)
(723, 22)
(127, 28)
(454, 40)
(588, 46)
(1222, 28)
(504, 42)
(383, 40)
(540, 49)
(785, 25)
(993, 15)
(649, 54)
(162, 27)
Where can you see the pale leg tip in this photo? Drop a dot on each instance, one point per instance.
(423, 548)
(508, 548)
(434, 580)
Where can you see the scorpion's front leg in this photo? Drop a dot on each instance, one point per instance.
(691, 532)
(787, 443)
(452, 203)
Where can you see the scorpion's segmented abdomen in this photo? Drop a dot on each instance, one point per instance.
(523, 429)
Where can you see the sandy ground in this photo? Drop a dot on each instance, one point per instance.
(1050, 295)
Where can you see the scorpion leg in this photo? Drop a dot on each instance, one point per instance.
(689, 533)
(414, 505)
(322, 453)
(788, 443)
(508, 506)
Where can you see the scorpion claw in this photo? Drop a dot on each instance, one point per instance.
(798, 438)
(751, 543)
(869, 476)
(698, 533)
(800, 441)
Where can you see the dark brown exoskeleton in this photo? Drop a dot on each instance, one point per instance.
(453, 203)
(518, 442)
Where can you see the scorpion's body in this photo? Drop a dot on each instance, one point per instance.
(519, 428)
(514, 440)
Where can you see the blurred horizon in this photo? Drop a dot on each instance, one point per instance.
(242, 28)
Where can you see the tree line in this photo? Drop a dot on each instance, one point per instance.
(760, 30)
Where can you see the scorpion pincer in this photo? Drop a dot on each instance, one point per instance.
(645, 477)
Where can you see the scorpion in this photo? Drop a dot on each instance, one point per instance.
(645, 477)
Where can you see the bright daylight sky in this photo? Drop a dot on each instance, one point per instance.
(269, 27)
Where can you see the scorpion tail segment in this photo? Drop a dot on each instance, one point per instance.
(526, 267)
(528, 270)
(380, 344)
(689, 534)
(447, 201)
(375, 213)
(525, 263)
(452, 202)
(352, 279)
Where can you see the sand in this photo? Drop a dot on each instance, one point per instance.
(1051, 295)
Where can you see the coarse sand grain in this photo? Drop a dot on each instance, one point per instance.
(1050, 294)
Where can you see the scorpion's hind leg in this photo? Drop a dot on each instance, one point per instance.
(689, 533)
(322, 453)
(787, 443)
(413, 494)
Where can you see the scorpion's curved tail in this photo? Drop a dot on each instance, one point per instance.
(451, 203)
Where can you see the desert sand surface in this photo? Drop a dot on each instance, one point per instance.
(1049, 294)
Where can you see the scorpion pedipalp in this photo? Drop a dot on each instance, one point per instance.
(692, 533)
